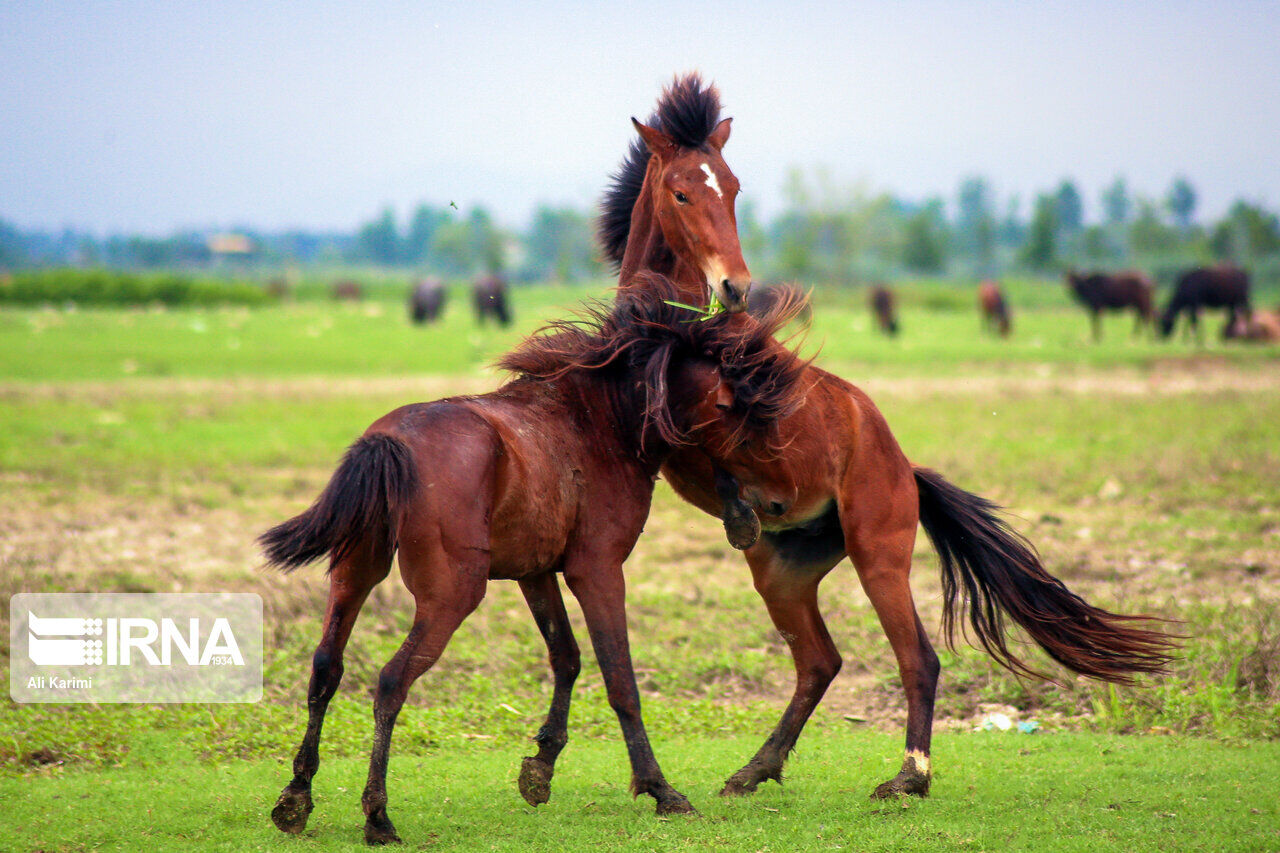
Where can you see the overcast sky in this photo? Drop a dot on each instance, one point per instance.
(152, 116)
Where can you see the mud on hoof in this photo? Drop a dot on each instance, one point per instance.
(907, 782)
(292, 810)
(741, 525)
(676, 803)
(535, 780)
(746, 780)
(378, 830)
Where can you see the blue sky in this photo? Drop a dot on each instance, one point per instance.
(152, 116)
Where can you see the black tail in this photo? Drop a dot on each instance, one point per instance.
(375, 479)
(998, 573)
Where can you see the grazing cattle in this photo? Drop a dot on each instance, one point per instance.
(762, 298)
(1222, 286)
(426, 301)
(1257, 326)
(884, 305)
(490, 295)
(994, 309)
(347, 290)
(1100, 292)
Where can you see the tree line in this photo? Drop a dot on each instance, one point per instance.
(827, 231)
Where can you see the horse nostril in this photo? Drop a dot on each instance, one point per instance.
(777, 508)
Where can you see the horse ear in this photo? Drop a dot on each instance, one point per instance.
(720, 135)
(659, 144)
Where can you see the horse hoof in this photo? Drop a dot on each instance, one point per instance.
(741, 525)
(677, 804)
(378, 831)
(736, 787)
(535, 781)
(904, 784)
(292, 810)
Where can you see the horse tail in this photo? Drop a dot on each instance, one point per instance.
(996, 572)
(374, 482)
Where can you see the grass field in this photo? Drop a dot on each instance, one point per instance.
(143, 450)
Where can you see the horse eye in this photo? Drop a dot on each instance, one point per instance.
(681, 198)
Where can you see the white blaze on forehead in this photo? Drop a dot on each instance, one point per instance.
(711, 180)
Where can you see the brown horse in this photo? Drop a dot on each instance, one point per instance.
(551, 474)
(884, 307)
(1222, 286)
(842, 486)
(1100, 292)
(993, 309)
(489, 293)
(426, 300)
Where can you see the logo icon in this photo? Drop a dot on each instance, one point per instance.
(63, 642)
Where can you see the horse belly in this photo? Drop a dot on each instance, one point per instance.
(529, 530)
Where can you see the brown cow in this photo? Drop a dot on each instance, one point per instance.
(1100, 292)
(1223, 286)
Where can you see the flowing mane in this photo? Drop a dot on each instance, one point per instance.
(688, 112)
(643, 335)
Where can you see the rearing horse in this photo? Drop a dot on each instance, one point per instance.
(842, 486)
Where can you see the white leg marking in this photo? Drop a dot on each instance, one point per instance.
(921, 760)
(711, 180)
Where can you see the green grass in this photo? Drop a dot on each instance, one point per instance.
(143, 450)
(991, 792)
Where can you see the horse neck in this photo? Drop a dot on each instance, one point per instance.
(615, 424)
(648, 250)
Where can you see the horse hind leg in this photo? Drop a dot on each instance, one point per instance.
(446, 590)
(880, 545)
(542, 593)
(350, 582)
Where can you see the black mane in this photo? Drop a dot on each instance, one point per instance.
(688, 112)
(642, 335)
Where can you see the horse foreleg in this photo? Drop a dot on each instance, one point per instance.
(542, 593)
(600, 590)
(349, 584)
(791, 596)
(446, 593)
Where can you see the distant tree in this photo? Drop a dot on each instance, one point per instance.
(1040, 250)
(559, 245)
(451, 249)
(1068, 208)
(424, 223)
(1148, 233)
(1181, 202)
(1011, 231)
(13, 252)
(487, 242)
(1116, 204)
(924, 246)
(1246, 232)
(379, 240)
(751, 234)
(975, 221)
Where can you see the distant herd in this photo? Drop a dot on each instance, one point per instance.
(1217, 287)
